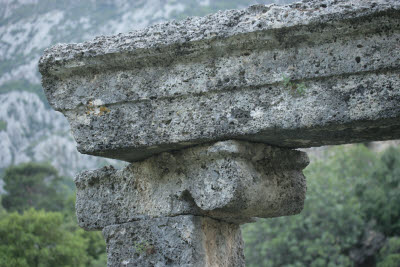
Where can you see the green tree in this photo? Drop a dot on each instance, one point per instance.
(348, 188)
(36, 185)
(2, 210)
(39, 186)
(389, 255)
(380, 193)
(38, 238)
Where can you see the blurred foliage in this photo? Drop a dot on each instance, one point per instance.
(38, 238)
(3, 125)
(36, 185)
(2, 210)
(380, 193)
(348, 188)
(390, 254)
(44, 232)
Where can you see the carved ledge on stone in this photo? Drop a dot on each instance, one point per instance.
(231, 181)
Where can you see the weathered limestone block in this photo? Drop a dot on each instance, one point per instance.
(232, 181)
(302, 75)
(175, 241)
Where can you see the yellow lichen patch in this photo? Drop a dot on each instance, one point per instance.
(104, 110)
(92, 109)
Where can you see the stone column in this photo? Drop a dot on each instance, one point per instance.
(185, 207)
(196, 107)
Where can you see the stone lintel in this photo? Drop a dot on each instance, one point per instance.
(175, 241)
(301, 75)
(232, 181)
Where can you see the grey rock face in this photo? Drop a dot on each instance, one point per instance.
(232, 181)
(302, 75)
(178, 241)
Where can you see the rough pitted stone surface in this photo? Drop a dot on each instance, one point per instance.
(175, 241)
(220, 77)
(232, 181)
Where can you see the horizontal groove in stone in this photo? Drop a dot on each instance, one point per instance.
(345, 106)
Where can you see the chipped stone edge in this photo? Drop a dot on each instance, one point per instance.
(145, 43)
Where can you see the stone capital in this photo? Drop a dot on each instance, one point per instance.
(232, 181)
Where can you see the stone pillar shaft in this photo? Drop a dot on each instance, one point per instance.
(184, 240)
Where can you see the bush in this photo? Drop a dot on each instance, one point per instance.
(390, 254)
(347, 190)
(38, 238)
(380, 193)
(36, 185)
